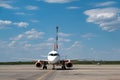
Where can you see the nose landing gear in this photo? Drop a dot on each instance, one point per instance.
(53, 67)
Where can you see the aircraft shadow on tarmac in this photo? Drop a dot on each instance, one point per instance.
(65, 69)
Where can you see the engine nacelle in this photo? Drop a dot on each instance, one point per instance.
(38, 64)
(69, 64)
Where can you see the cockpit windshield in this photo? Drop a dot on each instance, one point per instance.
(54, 54)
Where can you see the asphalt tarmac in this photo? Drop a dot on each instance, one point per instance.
(78, 72)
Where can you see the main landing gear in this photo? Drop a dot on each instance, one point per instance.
(63, 66)
(44, 66)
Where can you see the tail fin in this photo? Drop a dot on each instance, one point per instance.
(55, 47)
(56, 41)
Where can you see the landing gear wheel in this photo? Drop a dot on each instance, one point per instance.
(63, 68)
(44, 67)
(53, 67)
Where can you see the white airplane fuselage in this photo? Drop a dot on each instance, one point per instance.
(53, 57)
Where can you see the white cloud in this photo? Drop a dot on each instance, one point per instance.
(76, 45)
(73, 7)
(64, 40)
(30, 7)
(64, 34)
(58, 1)
(20, 36)
(21, 24)
(15, 39)
(62, 37)
(105, 3)
(22, 13)
(27, 45)
(107, 18)
(12, 43)
(33, 34)
(51, 39)
(6, 23)
(7, 6)
(88, 36)
(28, 35)
(60, 40)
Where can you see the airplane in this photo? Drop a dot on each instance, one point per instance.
(54, 58)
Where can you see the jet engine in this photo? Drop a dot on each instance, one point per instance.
(38, 64)
(69, 64)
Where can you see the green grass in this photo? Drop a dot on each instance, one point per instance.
(95, 62)
(16, 63)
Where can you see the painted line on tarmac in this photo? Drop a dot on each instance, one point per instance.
(45, 75)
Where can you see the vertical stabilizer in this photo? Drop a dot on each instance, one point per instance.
(56, 41)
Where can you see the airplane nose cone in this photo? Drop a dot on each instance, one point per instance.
(54, 59)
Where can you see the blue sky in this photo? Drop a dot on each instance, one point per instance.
(88, 29)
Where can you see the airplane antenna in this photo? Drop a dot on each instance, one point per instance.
(56, 41)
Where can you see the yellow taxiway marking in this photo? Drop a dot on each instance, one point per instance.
(45, 75)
